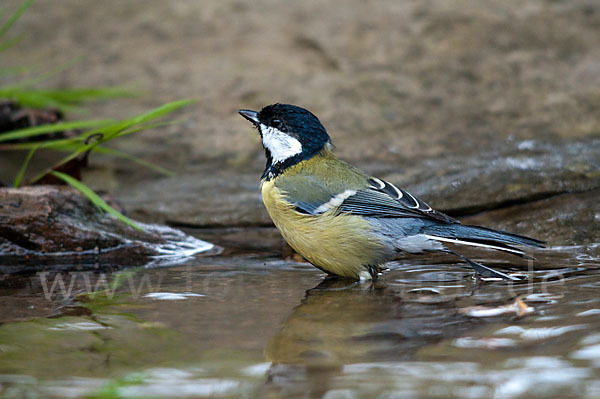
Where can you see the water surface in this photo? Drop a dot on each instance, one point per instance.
(253, 326)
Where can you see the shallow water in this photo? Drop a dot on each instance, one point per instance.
(253, 326)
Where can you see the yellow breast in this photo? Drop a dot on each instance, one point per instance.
(339, 244)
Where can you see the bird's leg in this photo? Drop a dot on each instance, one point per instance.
(374, 271)
(482, 270)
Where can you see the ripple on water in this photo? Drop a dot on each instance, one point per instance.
(489, 343)
(589, 312)
(180, 389)
(172, 296)
(178, 248)
(412, 313)
(81, 326)
(545, 379)
(72, 387)
(591, 352)
(178, 383)
(529, 377)
(539, 333)
(543, 297)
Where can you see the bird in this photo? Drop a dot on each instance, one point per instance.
(344, 221)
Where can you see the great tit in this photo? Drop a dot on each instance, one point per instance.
(344, 221)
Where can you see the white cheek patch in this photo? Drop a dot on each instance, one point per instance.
(281, 146)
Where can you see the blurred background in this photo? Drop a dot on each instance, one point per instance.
(473, 105)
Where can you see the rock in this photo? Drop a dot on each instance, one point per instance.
(564, 219)
(42, 223)
(14, 117)
(518, 176)
(516, 173)
(206, 198)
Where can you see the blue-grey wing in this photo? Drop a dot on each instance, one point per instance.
(384, 200)
(374, 198)
(313, 196)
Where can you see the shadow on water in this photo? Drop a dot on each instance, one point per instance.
(253, 326)
(342, 322)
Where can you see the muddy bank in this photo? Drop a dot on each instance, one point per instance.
(56, 225)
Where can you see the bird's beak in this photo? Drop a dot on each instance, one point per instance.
(252, 116)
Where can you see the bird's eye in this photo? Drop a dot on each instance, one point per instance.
(278, 124)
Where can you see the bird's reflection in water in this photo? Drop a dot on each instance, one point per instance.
(341, 322)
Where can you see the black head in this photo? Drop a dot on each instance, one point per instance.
(290, 134)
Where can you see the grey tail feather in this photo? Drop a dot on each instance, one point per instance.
(482, 237)
(502, 236)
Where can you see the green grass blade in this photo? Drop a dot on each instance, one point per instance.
(14, 70)
(95, 198)
(45, 129)
(64, 100)
(58, 145)
(117, 129)
(77, 96)
(129, 157)
(146, 126)
(15, 17)
(150, 115)
(122, 132)
(112, 131)
(5, 45)
(38, 77)
(68, 145)
(63, 161)
(32, 99)
(21, 173)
